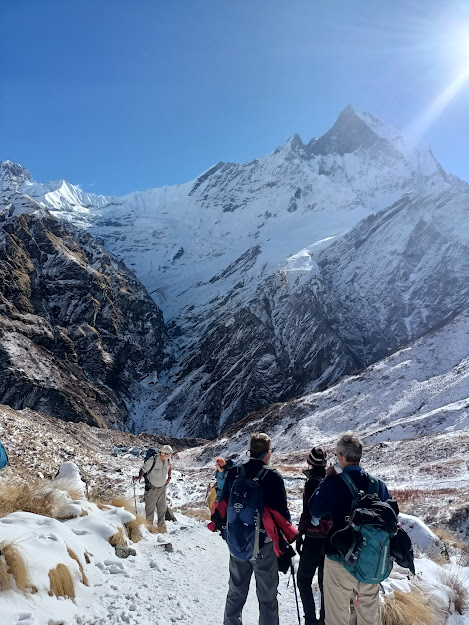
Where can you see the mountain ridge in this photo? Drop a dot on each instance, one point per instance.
(239, 260)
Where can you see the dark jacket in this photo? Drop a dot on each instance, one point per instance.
(334, 497)
(272, 486)
(314, 477)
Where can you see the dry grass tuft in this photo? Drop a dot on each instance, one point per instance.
(133, 527)
(16, 566)
(197, 513)
(451, 540)
(74, 556)
(61, 582)
(25, 498)
(459, 586)
(122, 502)
(443, 534)
(408, 608)
(4, 577)
(463, 554)
(118, 539)
(69, 486)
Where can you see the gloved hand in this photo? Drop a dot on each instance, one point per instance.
(299, 543)
(218, 521)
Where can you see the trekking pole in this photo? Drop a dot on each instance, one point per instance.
(292, 568)
(135, 496)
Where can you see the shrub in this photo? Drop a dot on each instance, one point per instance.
(133, 527)
(203, 514)
(4, 577)
(74, 556)
(15, 565)
(61, 582)
(118, 539)
(25, 497)
(460, 592)
(69, 486)
(407, 608)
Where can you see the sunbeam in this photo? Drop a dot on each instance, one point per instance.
(438, 105)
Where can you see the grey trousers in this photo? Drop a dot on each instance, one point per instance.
(265, 569)
(155, 497)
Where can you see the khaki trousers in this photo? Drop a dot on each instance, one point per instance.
(155, 497)
(339, 588)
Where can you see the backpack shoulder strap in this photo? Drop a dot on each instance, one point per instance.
(155, 457)
(373, 485)
(261, 475)
(240, 472)
(350, 483)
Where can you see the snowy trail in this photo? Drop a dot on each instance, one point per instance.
(186, 586)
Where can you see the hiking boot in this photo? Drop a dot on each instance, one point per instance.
(161, 529)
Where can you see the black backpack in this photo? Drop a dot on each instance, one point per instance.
(151, 453)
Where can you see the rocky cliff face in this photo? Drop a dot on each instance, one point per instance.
(78, 332)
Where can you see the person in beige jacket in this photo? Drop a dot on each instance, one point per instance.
(157, 471)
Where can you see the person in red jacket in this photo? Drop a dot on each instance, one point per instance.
(311, 542)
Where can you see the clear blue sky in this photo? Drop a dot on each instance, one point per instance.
(119, 96)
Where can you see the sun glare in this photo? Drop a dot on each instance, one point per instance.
(458, 49)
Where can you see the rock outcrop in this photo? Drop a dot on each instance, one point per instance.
(78, 332)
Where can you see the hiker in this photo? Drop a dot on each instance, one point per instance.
(248, 488)
(311, 543)
(334, 496)
(215, 490)
(157, 472)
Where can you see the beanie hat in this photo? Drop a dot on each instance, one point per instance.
(317, 457)
(166, 449)
(220, 461)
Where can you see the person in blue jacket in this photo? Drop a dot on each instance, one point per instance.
(220, 475)
(334, 498)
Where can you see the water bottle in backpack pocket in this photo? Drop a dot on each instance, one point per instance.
(364, 543)
(244, 515)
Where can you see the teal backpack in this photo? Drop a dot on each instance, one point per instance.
(3, 457)
(364, 543)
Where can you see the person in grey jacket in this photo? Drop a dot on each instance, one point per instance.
(157, 470)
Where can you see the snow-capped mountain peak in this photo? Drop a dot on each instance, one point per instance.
(13, 176)
(348, 134)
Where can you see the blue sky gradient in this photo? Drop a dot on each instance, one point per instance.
(121, 96)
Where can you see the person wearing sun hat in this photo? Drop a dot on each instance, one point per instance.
(157, 470)
(312, 539)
